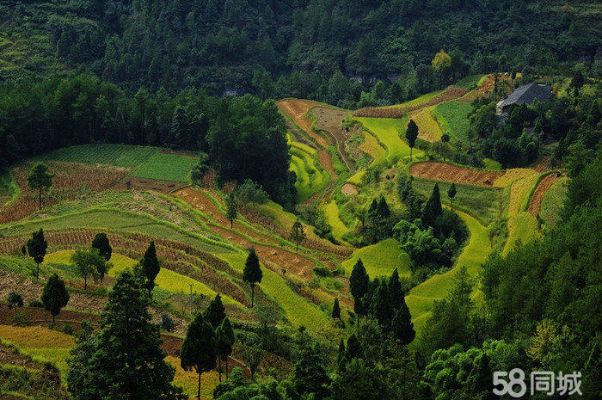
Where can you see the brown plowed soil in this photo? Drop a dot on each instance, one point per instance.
(544, 185)
(439, 171)
(451, 93)
(330, 121)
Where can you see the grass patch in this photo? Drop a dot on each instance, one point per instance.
(331, 211)
(428, 126)
(381, 259)
(483, 204)
(187, 380)
(310, 177)
(553, 201)
(387, 131)
(522, 228)
(491, 164)
(166, 167)
(453, 118)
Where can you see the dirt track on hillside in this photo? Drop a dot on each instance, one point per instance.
(542, 188)
(439, 171)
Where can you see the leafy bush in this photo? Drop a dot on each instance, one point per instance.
(36, 303)
(14, 299)
(251, 192)
(167, 323)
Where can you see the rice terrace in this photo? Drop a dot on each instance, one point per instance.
(300, 200)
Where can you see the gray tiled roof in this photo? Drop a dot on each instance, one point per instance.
(528, 94)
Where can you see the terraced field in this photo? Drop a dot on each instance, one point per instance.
(387, 131)
(381, 259)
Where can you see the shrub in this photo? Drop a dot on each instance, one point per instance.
(323, 272)
(19, 319)
(36, 303)
(14, 299)
(167, 323)
(251, 192)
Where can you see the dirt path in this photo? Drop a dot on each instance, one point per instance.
(440, 171)
(544, 185)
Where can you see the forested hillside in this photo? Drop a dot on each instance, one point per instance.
(300, 48)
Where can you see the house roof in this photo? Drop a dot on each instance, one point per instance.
(528, 94)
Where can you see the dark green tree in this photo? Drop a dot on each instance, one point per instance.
(198, 350)
(55, 296)
(380, 305)
(180, 128)
(402, 326)
(451, 193)
(231, 208)
(224, 342)
(354, 348)
(297, 233)
(411, 136)
(395, 290)
(309, 376)
(101, 242)
(336, 309)
(215, 313)
(358, 284)
(124, 360)
(36, 248)
(150, 266)
(577, 82)
(39, 179)
(432, 208)
(252, 273)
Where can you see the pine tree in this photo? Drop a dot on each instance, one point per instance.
(124, 360)
(216, 312)
(231, 208)
(411, 136)
(36, 248)
(180, 128)
(341, 355)
(451, 193)
(55, 296)
(336, 309)
(150, 266)
(252, 273)
(101, 242)
(39, 179)
(309, 376)
(354, 348)
(402, 326)
(225, 341)
(395, 290)
(359, 282)
(432, 209)
(198, 350)
(380, 306)
(297, 233)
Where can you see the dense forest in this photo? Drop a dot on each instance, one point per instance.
(328, 50)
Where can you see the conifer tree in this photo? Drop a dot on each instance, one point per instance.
(198, 350)
(451, 193)
(124, 360)
(354, 348)
(432, 208)
(36, 248)
(359, 282)
(150, 267)
(224, 342)
(380, 306)
(411, 136)
(216, 312)
(402, 326)
(55, 296)
(297, 233)
(252, 273)
(336, 309)
(395, 290)
(231, 208)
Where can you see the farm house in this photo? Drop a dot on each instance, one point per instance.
(525, 94)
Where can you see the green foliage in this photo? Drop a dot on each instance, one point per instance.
(297, 233)
(101, 243)
(250, 192)
(252, 272)
(89, 263)
(55, 295)
(215, 313)
(432, 208)
(231, 208)
(124, 359)
(453, 116)
(336, 309)
(198, 350)
(358, 285)
(411, 135)
(150, 266)
(39, 179)
(36, 248)
(14, 299)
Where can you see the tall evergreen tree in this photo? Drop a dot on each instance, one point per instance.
(55, 296)
(36, 248)
(380, 305)
(180, 128)
(252, 273)
(40, 179)
(309, 376)
(101, 242)
(215, 313)
(432, 208)
(224, 342)
(336, 309)
(402, 325)
(150, 266)
(411, 136)
(124, 360)
(358, 284)
(395, 290)
(198, 350)
(231, 208)
(354, 348)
